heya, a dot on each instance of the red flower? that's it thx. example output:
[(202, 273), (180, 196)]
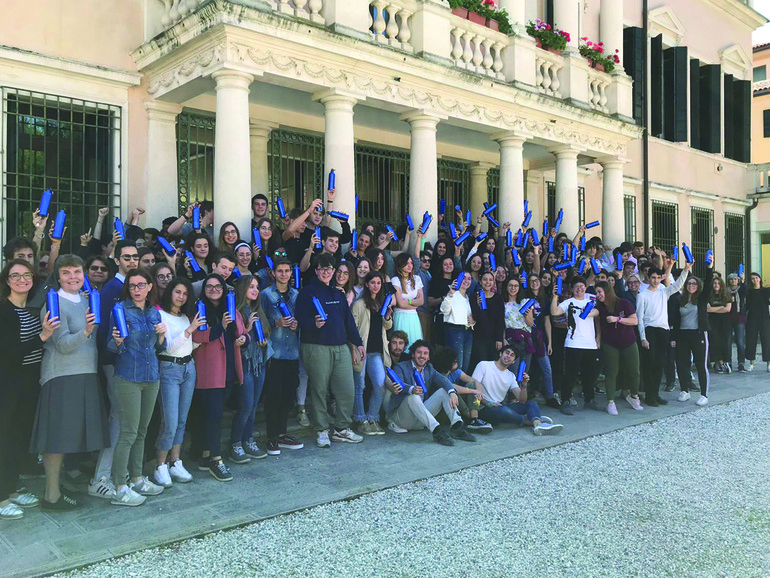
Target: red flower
[(584, 39), (616, 59), (547, 26), (617, 51), (601, 44)]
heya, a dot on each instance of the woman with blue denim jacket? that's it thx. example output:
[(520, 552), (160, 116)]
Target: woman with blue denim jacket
[(137, 382), (177, 379), (253, 356)]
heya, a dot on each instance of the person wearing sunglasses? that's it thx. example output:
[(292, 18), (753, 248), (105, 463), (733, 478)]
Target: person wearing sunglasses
[(136, 381), (97, 271), (127, 260)]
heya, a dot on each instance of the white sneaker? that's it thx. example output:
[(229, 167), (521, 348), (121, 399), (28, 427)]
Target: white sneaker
[(102, 488), (162, 477), (179, 473), (545, 429), (634, 402), (347, 435), (750, 366), (145, 487), (127, 497), (702, 400), (545, 419), (396, 429), (11, 512), (322, 441), (573, 402), (612, 409), (684, 396)]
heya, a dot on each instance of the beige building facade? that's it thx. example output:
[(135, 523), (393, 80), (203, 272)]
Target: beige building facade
[(159, 103), (760, 151)]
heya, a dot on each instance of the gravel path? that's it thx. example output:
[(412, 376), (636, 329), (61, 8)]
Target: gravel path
[(685, 496)]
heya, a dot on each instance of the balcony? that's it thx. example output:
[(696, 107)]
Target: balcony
[(411, 30), (763, 179)]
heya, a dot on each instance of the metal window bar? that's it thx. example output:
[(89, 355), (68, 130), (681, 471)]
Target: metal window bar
[(195, 158), (702, 235), (69, 145), (295, 168), (493, 186), (735, 244), (551, 210), (582, 206), (382, 185), (629, 213), (454, 184), (665, 225)]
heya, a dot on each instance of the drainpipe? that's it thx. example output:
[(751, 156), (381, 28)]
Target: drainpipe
[(645, 134), (747, 228)]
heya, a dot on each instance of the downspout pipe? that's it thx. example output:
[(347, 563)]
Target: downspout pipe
[(646, 133)]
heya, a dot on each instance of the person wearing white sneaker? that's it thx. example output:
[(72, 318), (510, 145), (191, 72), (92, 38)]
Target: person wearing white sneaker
[(177, 376), (689, 318), (757, 320), (702, 400), (179, 473), (102, 488), (322, 440)]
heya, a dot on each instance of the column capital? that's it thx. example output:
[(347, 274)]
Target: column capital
[(423, 118), (566, 151), (261, 128), (511, 138), (161, 110), (611, 161), (341, 99), (480, 168), (231, 78)]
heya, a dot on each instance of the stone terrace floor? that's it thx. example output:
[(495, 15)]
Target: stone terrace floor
[(43, 543)]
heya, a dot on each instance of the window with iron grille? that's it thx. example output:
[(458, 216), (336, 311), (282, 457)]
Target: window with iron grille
[(702, 235), (734, 242), (382, 184), (629, 214), (665, 225), (493, 186), (454, 183), (295, 165), (195, 158), (68, 145), (553, 210)]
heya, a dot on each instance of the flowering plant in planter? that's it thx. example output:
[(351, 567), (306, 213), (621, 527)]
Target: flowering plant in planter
[(484, 12), (597, 56), (547, 37)]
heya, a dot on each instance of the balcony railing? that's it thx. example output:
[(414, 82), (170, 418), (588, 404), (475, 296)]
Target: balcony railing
[(429, 29), (763, 178)]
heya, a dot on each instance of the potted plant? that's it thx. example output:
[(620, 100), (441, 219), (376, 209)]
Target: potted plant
[(597, 57), (483, 12), (546, 37)]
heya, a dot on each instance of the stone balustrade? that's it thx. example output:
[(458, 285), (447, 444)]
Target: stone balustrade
[(477, 48), (547, 67), (175, 10), (310, 9), (598, 82), (390, 22)]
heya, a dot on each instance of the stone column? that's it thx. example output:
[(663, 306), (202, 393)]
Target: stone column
[(479, 189), (232, 160), (162, 179), (259, 137), (611, 28), (567, 187), (613, 211), (516, 11), (533, 189), (423, 169), (339, 148), (510, 206), (567, 17)]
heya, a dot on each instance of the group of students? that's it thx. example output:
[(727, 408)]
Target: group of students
[(375, 325)]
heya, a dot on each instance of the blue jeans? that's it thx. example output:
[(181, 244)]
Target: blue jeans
[(738, 333), (375, 369), (515, 413), (461, 340), (249, 393), (545, 368), (177, 384)]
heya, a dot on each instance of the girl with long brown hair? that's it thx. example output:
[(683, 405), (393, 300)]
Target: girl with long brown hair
[(719, 307)]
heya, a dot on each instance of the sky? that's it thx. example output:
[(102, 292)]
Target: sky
[(762, 35)]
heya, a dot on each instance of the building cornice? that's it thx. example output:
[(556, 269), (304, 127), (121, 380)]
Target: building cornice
[(310, 58), (92, 72), (741, 12)]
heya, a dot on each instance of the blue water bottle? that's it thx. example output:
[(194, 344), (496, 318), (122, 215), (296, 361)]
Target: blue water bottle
[(119, 229), (231, 304), (196, 217), (281, 207), (45, 203), (95, 304), (202, 315), (332, 180), (482, 301), (58, 225), (317, 233), (319, 309), (120, 319), (52, 304), (193, 263)]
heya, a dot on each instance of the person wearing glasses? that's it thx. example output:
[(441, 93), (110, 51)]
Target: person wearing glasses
[(218, 367), (244, 258), (136, 381), (345, 280), (21, 349), (98, 271), (71, 416), (162, 274), (228, 237), (325, 349), (127, 260)]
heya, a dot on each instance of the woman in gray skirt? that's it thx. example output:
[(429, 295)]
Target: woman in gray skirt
[(71, 416)]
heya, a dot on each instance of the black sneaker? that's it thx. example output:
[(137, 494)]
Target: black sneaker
[(204, 464), (479, 425), (272, 448), (652, 402), (669, 387), (441, 436), (237, 455), (289, 443), (741, 368), (220, 472), (552, 402), (662, 401), (459, 432), (566, 409), (65, 503)]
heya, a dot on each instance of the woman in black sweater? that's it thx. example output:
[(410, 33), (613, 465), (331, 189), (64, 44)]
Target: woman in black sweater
[(489, 332), (21, 350), (757, 321)]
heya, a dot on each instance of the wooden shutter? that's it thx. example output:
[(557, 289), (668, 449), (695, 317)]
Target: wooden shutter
[(675, 94), (710, 109), (729, 110), (742, 116), (766, 123), (656, 85), (634, 58), (695, 103)]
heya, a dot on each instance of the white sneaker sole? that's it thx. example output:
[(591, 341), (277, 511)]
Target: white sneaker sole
[(107, 496), (552, 430), (157, 483), (346, 440), (119, 503), (181, 480)]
